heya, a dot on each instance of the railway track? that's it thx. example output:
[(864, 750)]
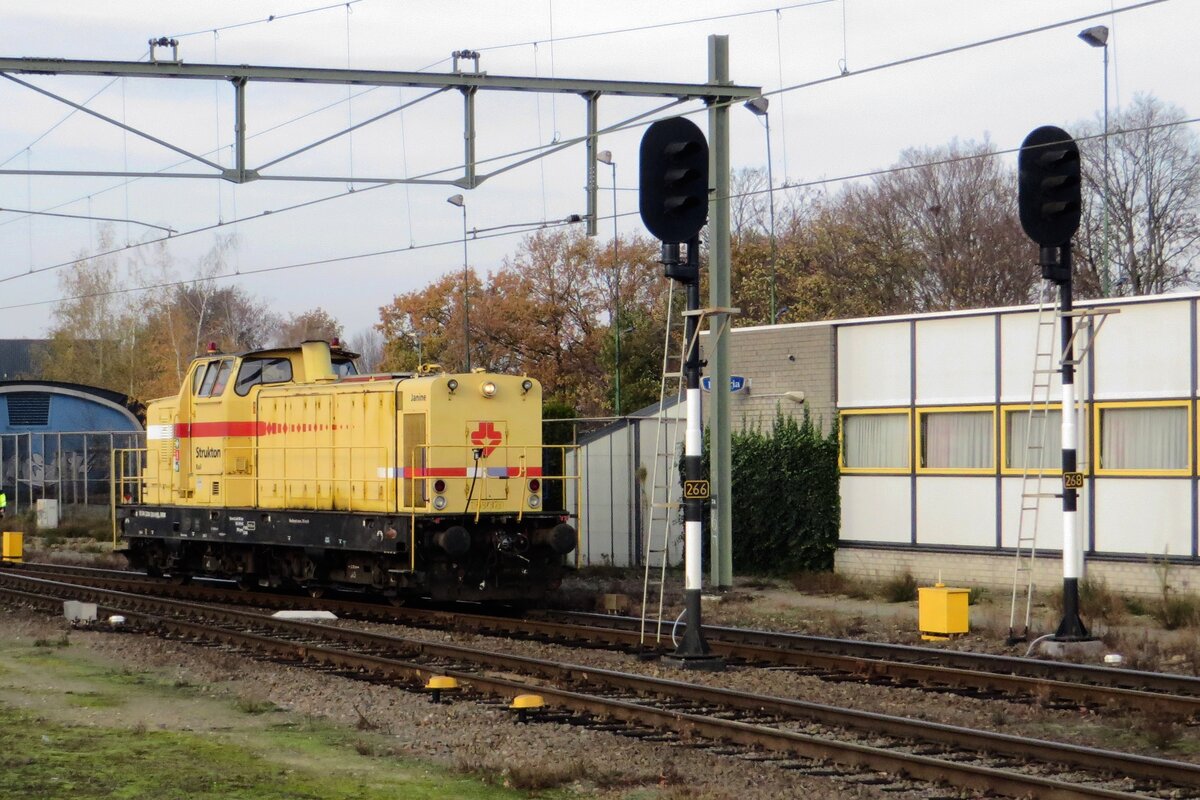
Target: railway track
[(790, 733), (1048, 683)]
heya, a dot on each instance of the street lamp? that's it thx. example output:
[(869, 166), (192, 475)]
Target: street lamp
[(1097, 36), (605, 157), (457, 200), (758, 106)]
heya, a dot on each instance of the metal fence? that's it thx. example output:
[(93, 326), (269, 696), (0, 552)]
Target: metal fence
[(73, 468)]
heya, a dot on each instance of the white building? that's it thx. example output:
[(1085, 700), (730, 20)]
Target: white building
[(933, 409)]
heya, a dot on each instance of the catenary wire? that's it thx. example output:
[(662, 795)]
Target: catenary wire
[(539, 226), (264, 20), (640, 123), (532, 228)]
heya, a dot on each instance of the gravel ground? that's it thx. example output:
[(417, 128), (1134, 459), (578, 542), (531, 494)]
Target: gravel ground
[(1109, 728), (472, 737), (466, 735)]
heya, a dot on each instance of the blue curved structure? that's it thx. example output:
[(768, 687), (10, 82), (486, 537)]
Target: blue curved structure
[(56, 440)]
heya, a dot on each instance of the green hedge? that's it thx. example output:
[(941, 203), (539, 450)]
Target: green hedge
[(786, 506)]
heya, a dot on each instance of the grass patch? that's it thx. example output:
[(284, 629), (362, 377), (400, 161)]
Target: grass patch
[(52, 762), (62, 641), (254, 705), (1177, 611), (830, 583), (900, 589), (94, 699), (977, 595), (1097, 602)]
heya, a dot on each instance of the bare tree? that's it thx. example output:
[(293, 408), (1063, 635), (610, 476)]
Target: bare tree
[(957, 210), (314, 323), (1153, 202), (368, 343)]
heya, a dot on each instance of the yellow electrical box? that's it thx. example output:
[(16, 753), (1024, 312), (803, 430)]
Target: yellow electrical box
[(942, 611), (13, 546)]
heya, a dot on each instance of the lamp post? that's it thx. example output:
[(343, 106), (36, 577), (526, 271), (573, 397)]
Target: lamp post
[(457, 200), (1097, 36), (758, 106), (605, 157)]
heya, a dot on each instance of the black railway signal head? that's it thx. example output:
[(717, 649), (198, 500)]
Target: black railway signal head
[(673, 180), (1048, 186)]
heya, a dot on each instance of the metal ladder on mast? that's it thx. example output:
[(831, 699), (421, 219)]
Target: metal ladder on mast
[(1033, 463), (1032, 474), (664, 517), (665, 522)]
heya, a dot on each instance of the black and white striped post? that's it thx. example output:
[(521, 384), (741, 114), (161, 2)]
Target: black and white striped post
[(1050, 207), (1071, 628), (692, 650)]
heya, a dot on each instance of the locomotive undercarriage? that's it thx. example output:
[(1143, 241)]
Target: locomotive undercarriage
[(498, 558)]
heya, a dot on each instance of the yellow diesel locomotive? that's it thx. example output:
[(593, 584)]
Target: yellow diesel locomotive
[(285, 467)]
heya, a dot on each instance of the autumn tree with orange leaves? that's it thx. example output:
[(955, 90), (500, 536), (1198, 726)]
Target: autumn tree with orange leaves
[(547, 312)]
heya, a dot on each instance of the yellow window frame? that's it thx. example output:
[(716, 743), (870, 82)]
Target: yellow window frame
[(1002, 453), (920, 444), (1099, 408), (890, 411)]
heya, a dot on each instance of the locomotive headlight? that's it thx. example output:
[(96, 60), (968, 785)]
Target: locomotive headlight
[(452, 385), (439, 502), (526, 386), (534, 501), (487, 389)]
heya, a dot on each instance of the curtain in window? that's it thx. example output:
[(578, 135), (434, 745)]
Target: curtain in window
[(1017, 440), (1144, 438), (956, 440), (875, 441)]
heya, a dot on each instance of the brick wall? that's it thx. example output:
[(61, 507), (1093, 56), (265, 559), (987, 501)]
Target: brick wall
[(995, 572), (777, 360)]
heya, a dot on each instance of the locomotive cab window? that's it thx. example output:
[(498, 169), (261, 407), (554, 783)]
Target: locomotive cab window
[(344, 369), (222, 377), (216, 375), (199, 375), (262, 370)]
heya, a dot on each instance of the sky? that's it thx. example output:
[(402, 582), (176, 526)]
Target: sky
[(844, 125)]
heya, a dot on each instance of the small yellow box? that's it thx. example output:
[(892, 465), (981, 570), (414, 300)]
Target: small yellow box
[(942, 611), (13, 546)]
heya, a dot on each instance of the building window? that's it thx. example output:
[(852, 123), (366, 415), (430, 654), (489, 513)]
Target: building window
[(875, 441), (1143, 438), (1047, 434), (956, 440)]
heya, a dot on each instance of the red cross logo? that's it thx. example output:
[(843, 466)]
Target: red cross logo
[(486, 437)]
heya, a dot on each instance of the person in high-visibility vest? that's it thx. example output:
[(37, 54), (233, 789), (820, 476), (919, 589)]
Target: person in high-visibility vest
[(3, 503)]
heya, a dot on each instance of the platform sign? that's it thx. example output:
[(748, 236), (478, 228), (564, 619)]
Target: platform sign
[(737, 383)]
